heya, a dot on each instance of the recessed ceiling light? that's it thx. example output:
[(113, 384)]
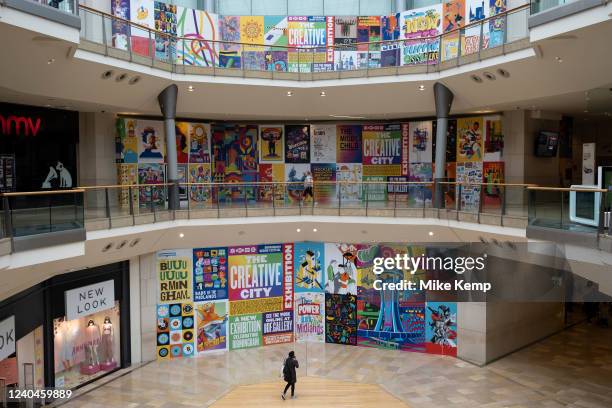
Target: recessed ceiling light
[(476, 79), (489, 76), (503, 73), (364, 231), (50, 61), (289, 93), (181, 235), (558, 59), (120, 77), (134, 80), (122, 244), (190, 88), (298, 230), (107, 247), (241, 232), (421, 87), (314, 230), (431, 233), (107, 74), (323, 93), (135, 242)]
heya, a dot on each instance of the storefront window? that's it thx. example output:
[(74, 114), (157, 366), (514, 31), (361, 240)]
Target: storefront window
[(86, 348)]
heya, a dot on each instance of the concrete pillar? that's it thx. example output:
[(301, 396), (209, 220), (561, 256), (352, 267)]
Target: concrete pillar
[(400, 5), (444, 100), (167, 104), (209, 6)]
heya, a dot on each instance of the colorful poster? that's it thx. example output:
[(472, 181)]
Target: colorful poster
[(200, 173), (420, 28), (151, 146), (470, 175), (151, 173), (368, 30), (165, 24), (200, 30), (345, 32), (349, 186), (199, 143), (390, 51), (275, 32), (182, 137), (340, 268), (271, 173), (308, 266), (255, 272), (453, 18), (420, 194), (441, 328), (277, 327), (309, 32), (348, 147), (382, 150), (324, 176), (181, 178), (127, 141), (142, 13), (451, 141), (295, 174), (497, 26), (210, 272), (389, 319), (323, 144), (252, 33), (471, 42), (420, 142), (271, 144), (128, 176), (211, 325), (398, 189), (309, 316), (175, 331), (297, 144), (121, 9), (405, 168), (245, 331), (375, 188), (341, 319), (174, 276), (492, 173), (494, 138), (469, 139), (229, 30)]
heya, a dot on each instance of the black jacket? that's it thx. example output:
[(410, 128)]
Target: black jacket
[(289, 372)]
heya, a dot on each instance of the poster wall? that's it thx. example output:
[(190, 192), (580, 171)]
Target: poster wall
[(420, 28), (271, 143), (492, 172), (470, 173), (323, 144), (211, 325), (297, 144), (324, 176), (348, 146), (469, 140), (200, 28), (421, 142), (441, 328), (382, 150), (174, 270), (310, 316), (310, 32)]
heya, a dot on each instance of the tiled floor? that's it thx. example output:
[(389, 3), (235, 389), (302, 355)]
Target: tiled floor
[(573, 369)]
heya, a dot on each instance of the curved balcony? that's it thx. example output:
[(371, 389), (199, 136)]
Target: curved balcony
[(201, 56)]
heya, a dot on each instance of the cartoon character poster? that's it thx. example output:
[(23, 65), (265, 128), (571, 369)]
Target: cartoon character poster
[(421, 136), (210, 274), (349, 186), (420, 28), (175, 331), (199, 29), (453, 18), (476, 10), (492, 173), (295, 174), (310, 317), (128, 140), (297, 144), (271, 173), (382, 150), (200, 173), (324, 177), (121, 9), (308, 266), (142, 12), (348, 146), (469, 174), (341, 319), (150, 196), (182, 142), (211, 325), (420, 194), (277, 327), (229, 30), (340, 268), (323, 144), (469, 139), (271, 143), (390, 30), (493, 138), (165, 25), (497, 26), (151, 146), (441, 328), (199, 143)]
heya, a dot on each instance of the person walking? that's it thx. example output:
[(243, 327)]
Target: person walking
[(289, 374), (308, 183)]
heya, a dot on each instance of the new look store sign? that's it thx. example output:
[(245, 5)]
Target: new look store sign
[(90, 299), (7, 337)]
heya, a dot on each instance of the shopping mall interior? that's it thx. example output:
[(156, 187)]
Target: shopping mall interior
[(359, 202)]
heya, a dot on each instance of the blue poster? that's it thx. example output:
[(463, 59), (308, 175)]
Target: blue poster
[(209, 274), (309, 261)]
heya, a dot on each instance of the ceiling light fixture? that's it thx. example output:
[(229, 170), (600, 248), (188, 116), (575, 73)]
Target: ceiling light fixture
[(120, 77), (107, 74), (298, 230), (558, 59), (134, 80), (181, 235), (503, 73), (489, 76), (314, 230), (50, 61), (586, 111), (323, 93), (190, 88), (289, 93), (346, 117), (476, 79), (421, 87), (431, 233)]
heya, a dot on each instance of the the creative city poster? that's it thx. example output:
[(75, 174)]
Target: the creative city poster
[(492, 173), (382, 150), (271, 144), (469, 140), (211, 325), (309, 32), (441, 328), (389, 319), (420, 29), (175, 330)]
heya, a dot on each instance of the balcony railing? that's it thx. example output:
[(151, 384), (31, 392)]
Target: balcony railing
[(120, 38)]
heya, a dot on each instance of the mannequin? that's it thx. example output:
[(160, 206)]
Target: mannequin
[(108, 332), (93, 340)]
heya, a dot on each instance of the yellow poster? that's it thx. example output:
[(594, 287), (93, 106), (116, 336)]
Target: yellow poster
[(469, 140), (182, 142), (129, 140), (174, 276), (251, 306), (252, 32), (127, 175)]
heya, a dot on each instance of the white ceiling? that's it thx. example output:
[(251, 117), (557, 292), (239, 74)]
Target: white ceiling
[(537, 81)]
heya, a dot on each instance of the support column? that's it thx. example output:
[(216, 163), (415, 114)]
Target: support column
[(167, 105), (400, 5), (444, 100)]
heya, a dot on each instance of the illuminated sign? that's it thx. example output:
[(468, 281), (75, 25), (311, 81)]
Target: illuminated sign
[(19, 125)]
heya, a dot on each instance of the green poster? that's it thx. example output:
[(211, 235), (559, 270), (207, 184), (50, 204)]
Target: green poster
[(245, 331)]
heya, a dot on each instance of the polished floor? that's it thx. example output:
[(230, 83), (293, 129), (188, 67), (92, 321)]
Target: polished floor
[(570, 369)]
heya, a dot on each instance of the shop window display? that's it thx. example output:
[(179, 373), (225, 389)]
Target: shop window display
[(86, 348)]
